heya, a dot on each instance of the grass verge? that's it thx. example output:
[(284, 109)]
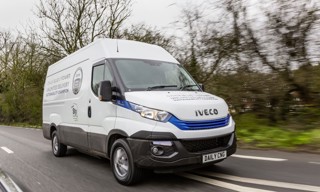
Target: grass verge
[(256, 133), (26, 125)]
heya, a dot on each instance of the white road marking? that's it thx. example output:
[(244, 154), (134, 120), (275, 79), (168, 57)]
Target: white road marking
[(6, 150), (221, 183), (263, 182), (259, 158), (315, 162), (34, 129)]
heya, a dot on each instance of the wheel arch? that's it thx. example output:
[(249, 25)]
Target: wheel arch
[(112, 137), (53, 128)]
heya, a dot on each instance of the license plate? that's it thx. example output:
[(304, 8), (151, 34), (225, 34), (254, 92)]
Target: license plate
[(214, 156)]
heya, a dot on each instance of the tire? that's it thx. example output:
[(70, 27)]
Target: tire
[(123, 167), (58, 149)]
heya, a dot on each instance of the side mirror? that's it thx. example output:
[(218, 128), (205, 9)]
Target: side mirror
[(201, 86), (105, 91)]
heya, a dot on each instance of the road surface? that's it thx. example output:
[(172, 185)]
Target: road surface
[(26, 156)]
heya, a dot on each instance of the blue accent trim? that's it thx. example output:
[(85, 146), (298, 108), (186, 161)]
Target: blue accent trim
[(199, 125), (123, 103)]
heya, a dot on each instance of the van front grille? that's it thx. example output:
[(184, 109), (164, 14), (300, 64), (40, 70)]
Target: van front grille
[(205, 144), (199, 125)]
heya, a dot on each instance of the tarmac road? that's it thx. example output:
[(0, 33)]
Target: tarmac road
[(26, 156)]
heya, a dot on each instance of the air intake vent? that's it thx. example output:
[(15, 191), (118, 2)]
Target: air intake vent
[(206, 144)]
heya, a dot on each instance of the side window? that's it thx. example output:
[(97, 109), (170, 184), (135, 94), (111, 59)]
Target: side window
[(107, 74), (97, 77)]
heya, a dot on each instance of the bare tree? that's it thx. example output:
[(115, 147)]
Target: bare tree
[(147, 34), (7, 46), (283, 44), (22, 74), (208, 47), (71, 24), (279, 39)]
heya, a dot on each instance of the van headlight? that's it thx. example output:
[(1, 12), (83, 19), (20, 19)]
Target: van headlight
[(148, 113)]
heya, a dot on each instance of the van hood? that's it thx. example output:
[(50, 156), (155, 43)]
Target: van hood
[(185, 105)]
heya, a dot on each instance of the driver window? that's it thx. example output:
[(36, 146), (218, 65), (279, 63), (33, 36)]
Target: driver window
[(107, 74), (97, 77), (100, 73)]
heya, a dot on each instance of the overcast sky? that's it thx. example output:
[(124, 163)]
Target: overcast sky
[(160, 13)]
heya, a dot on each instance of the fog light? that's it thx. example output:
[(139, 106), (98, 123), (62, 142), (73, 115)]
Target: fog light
[(156, 150)]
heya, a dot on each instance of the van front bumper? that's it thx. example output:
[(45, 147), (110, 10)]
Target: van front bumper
[(182, 155)]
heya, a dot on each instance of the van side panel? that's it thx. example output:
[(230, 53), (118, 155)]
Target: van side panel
[(64, 102)]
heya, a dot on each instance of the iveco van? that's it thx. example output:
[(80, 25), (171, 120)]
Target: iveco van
[(134, 104)]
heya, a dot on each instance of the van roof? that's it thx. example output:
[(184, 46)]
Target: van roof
[(113, 48)]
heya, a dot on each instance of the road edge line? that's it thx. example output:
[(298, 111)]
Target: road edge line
[(279, 184), (7, 150), (221, 184), (258, 158)]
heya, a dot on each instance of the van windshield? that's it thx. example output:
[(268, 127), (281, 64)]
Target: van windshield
[(154, 75)]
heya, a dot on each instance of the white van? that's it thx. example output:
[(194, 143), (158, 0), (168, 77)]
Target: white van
[(134, 103)]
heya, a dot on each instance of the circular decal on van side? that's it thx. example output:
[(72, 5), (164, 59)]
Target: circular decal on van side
[(77, 81)]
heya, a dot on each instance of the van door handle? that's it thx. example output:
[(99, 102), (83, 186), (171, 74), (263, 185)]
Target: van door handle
[(89, 111)]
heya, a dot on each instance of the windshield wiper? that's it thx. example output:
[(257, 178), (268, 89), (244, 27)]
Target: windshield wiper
[(187, 86), (160, 87)]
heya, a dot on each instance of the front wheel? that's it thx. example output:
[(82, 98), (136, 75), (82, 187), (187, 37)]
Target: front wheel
[(123, 167), (58, 149)]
